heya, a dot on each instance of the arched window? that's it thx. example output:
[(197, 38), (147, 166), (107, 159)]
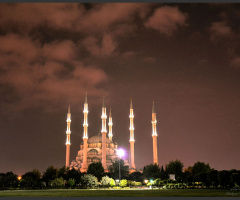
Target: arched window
[(95, 159), (93, 152)]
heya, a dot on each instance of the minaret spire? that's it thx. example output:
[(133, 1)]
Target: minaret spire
[(104, 133), (68, 132), (131, 116), (110, 124), (86, 98), (154, 135), (85, 136)]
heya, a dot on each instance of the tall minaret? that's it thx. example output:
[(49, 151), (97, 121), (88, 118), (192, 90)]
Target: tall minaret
[(154, 135), (68, 132), (85, 136), (110, 124), (104, 133), (131, 116)]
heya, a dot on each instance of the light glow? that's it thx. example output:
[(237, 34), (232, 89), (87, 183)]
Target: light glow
[(120, 152)]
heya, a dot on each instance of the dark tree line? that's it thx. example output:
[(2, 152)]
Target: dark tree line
[(200, 172)]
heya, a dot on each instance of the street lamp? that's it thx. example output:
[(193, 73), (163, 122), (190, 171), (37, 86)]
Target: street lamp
[(120, 153)]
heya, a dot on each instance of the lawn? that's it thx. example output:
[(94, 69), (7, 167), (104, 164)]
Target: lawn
[(120, 193)]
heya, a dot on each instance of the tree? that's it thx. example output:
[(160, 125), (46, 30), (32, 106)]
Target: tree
[(57, 182), (175, 167), (74, 174), (49, 175), (8, 180), (187, 175), (200, 167), (62, 172), (31, 179), (151, 171), (136, 176), (224, 178), (212, 177), (114, 170), (106, 181), (88, 180), (123, 183), (235, 179), (96, 169)]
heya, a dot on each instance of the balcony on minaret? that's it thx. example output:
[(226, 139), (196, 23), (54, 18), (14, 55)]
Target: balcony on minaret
[(67, 142)]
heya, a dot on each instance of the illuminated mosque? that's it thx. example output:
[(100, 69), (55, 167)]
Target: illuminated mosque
[(101, 148)]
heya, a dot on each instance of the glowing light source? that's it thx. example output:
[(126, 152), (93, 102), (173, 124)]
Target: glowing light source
[(120, 152), (19, 178)]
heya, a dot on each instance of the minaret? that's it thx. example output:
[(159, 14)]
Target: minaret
[(131, 116), (104, 133), (85, 136), (110, 124), (68, 132), (154, 135)]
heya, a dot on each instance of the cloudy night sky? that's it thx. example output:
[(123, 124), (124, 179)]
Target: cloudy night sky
[(184, 57)]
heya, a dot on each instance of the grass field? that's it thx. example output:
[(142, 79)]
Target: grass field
[(119, 193)]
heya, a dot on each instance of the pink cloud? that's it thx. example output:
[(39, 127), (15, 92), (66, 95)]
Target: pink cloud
[(166, 20), (102, 16), (40, 80), (17, 45), (235, 63), (220, 29), (29, 15), (149, 59), (62, 51), (102, 47)]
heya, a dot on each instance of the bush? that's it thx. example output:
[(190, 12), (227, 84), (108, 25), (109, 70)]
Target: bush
[(106, 181), (71, 182), (112, 183), (88, 180), (123, 183), (57, 182)]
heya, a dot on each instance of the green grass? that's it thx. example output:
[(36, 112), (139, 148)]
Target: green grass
[(119, 193)]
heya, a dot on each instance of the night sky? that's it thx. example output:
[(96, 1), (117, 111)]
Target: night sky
[(184, 57)]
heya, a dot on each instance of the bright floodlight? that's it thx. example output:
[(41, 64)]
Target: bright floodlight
[(120, 152)]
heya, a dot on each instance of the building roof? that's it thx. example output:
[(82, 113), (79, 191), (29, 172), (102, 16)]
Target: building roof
[(97, 139)]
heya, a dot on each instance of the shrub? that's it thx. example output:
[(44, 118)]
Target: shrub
[(57, 182), (71, 182), (123, 183), (88, 180), (112, 183)]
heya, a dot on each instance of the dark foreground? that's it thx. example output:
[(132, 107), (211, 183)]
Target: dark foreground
[(120, 193)]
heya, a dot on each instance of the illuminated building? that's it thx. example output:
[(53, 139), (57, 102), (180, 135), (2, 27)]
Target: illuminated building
[(132, 167), (98, 148), (68, 132), (154, 135)]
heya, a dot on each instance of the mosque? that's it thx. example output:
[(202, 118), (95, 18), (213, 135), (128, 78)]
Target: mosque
[(101, 148)]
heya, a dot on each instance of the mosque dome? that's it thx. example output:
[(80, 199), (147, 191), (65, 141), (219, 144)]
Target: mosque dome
[(97, 139)]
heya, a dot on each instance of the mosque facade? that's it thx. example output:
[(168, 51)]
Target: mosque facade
[(101, 147)]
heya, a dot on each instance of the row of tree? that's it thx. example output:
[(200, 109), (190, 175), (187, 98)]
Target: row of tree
[(95, 176)]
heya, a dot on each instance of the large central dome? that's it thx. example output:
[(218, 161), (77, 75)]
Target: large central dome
[(97, 139)]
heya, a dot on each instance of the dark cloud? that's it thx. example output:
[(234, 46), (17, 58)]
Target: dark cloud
[(166, 20)]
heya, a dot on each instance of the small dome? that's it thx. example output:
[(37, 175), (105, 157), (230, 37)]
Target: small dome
[(97, 139)]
